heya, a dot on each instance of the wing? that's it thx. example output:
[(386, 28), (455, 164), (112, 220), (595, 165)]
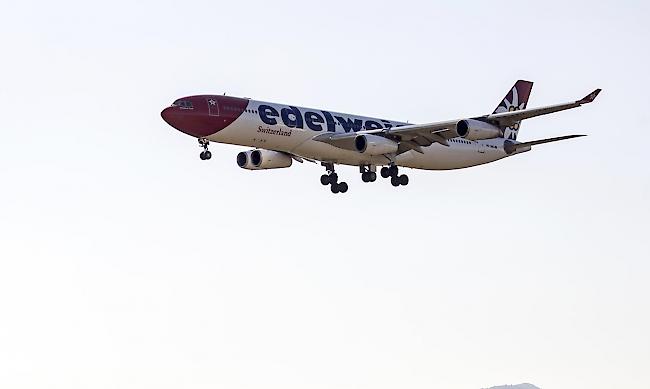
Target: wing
[(411, 137), (416, 136), (506, 119)]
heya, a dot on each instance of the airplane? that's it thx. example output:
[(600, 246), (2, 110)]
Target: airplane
[(280, 134)]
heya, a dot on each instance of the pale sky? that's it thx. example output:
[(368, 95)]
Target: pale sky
[(127, 262)]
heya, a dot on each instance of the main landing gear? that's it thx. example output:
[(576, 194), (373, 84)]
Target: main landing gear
[(395, 179), (205, 154), (368, 173), (331, 178)]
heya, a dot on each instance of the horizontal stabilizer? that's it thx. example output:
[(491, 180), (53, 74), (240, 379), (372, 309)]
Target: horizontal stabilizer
[(512, 147)]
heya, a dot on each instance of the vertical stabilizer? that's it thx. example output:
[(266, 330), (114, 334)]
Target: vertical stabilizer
[(516, 99)]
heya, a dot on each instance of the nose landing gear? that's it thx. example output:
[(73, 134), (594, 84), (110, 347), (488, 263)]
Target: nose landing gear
[(393, 172), (331, 178), (205, 154)]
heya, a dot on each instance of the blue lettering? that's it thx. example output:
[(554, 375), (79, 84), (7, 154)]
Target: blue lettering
[(267, 113), (349, 124), (296, 121), (312, 119), (292, 117), (331, 124), (388, 124), (372, 125)]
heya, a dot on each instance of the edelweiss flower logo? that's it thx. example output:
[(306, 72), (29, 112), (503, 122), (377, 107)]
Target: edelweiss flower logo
[(510, 106)]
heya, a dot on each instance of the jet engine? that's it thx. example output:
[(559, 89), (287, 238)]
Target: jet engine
[(263, 159), (374, 145), (477, 130)]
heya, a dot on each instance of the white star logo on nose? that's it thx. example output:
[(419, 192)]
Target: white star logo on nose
[(212, 102)]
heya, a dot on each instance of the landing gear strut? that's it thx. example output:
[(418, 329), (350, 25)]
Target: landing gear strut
[(205, 154), (393, 172), (368, 173), (331, 178)]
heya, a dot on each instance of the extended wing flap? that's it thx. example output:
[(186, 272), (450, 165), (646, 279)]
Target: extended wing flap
[(433, 132)]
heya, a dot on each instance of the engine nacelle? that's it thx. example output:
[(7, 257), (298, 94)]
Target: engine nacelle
[(477, 130), (374, 145), (263, 159), (244, 160)]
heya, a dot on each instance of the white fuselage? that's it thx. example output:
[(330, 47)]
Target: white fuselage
[(250, 130)]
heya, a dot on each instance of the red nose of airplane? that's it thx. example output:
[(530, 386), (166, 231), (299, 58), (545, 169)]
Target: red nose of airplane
[(168, 116), (185, 120), (189, 116), (202, 116)]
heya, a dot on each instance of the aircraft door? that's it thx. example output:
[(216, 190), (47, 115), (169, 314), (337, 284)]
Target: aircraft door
[(213, 106)]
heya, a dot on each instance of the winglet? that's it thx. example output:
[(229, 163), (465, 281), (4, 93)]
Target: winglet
[(590, 97)]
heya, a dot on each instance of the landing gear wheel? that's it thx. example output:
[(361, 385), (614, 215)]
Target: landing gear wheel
[(384, 172), (332, 179), (395, 181), (392, 171), (325, 179), (372, 176), (365, 176), (404, 179), (205, 154)]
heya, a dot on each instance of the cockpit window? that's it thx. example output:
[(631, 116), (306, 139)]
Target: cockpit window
[(185, 104)]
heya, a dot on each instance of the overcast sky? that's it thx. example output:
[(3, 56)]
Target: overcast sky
[(127, 262)]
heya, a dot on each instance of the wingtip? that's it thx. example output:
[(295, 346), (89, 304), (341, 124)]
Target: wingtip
[(590, 97)]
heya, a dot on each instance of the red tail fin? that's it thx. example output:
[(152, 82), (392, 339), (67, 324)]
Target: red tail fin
[(516, 99)]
